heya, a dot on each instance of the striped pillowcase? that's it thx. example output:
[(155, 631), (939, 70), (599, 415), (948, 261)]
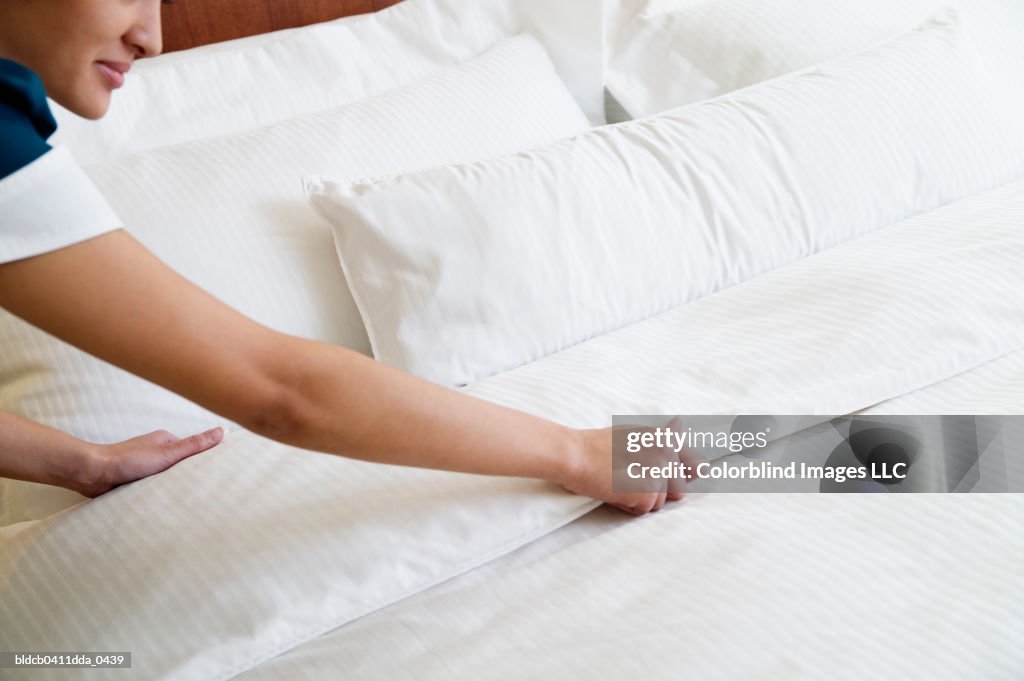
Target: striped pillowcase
[(506, 261), (247, 84), (667, 53)]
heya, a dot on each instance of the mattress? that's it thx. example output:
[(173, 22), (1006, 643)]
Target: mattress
[(238, 563)]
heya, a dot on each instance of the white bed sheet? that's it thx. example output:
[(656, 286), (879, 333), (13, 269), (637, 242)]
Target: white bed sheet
[(819, 566), (996, 387), (749, 586), (227, 561), (719, 587)]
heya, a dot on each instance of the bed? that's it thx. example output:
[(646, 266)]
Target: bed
[(261, 561)]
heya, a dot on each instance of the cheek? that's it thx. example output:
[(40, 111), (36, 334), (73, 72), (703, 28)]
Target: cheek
[(89, 30)]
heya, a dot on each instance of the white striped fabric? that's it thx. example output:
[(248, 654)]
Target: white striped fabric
[(873, 319), (229, 214), (238, 555), (235, 556), (772, 587), (467, 271), (667, 53), (413, 627), (251, 83), (996, 387)]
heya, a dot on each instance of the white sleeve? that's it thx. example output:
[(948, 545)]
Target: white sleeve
[(49, 204)]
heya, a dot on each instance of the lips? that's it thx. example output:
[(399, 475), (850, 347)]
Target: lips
[(114, 72)]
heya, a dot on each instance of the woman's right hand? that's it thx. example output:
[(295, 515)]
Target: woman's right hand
[(117, 464), (36, 453), (593, 474)]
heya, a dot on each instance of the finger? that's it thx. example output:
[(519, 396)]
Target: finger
[(636, 509), (645, 506), (188, 446), (660, 503), (158, 438), (689, 458), (676, 489)]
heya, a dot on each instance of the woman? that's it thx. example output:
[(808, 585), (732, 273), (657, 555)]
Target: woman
[(64, 266)]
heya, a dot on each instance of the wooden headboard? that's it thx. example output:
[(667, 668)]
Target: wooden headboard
[(189, 23)]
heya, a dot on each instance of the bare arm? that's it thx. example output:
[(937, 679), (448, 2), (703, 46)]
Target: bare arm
[(112, 298), (29, 451)]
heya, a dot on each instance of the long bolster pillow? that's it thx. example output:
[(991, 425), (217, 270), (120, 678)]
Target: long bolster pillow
[(465, 271)]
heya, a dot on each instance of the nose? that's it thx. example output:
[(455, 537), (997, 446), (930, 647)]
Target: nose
[(145, 37)]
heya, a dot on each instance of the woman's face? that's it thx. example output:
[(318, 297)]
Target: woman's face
[(81, 49)]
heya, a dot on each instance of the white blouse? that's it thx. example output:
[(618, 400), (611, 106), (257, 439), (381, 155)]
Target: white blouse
[(49, 204)]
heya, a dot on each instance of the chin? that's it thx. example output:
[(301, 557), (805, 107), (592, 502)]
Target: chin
[(94, 107), (91, 104)]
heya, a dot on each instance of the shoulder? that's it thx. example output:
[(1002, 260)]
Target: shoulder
[(47, 201), (25, 118)]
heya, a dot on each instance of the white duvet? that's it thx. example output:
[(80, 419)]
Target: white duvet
[(781, 586), (723, 586), (247, 552)]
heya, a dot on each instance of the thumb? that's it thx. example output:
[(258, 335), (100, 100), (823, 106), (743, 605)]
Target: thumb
[(194, 444)]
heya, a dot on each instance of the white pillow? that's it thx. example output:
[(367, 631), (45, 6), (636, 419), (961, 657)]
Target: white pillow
[(667, 53), (465, 271), (253, 82), (229, 213)]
